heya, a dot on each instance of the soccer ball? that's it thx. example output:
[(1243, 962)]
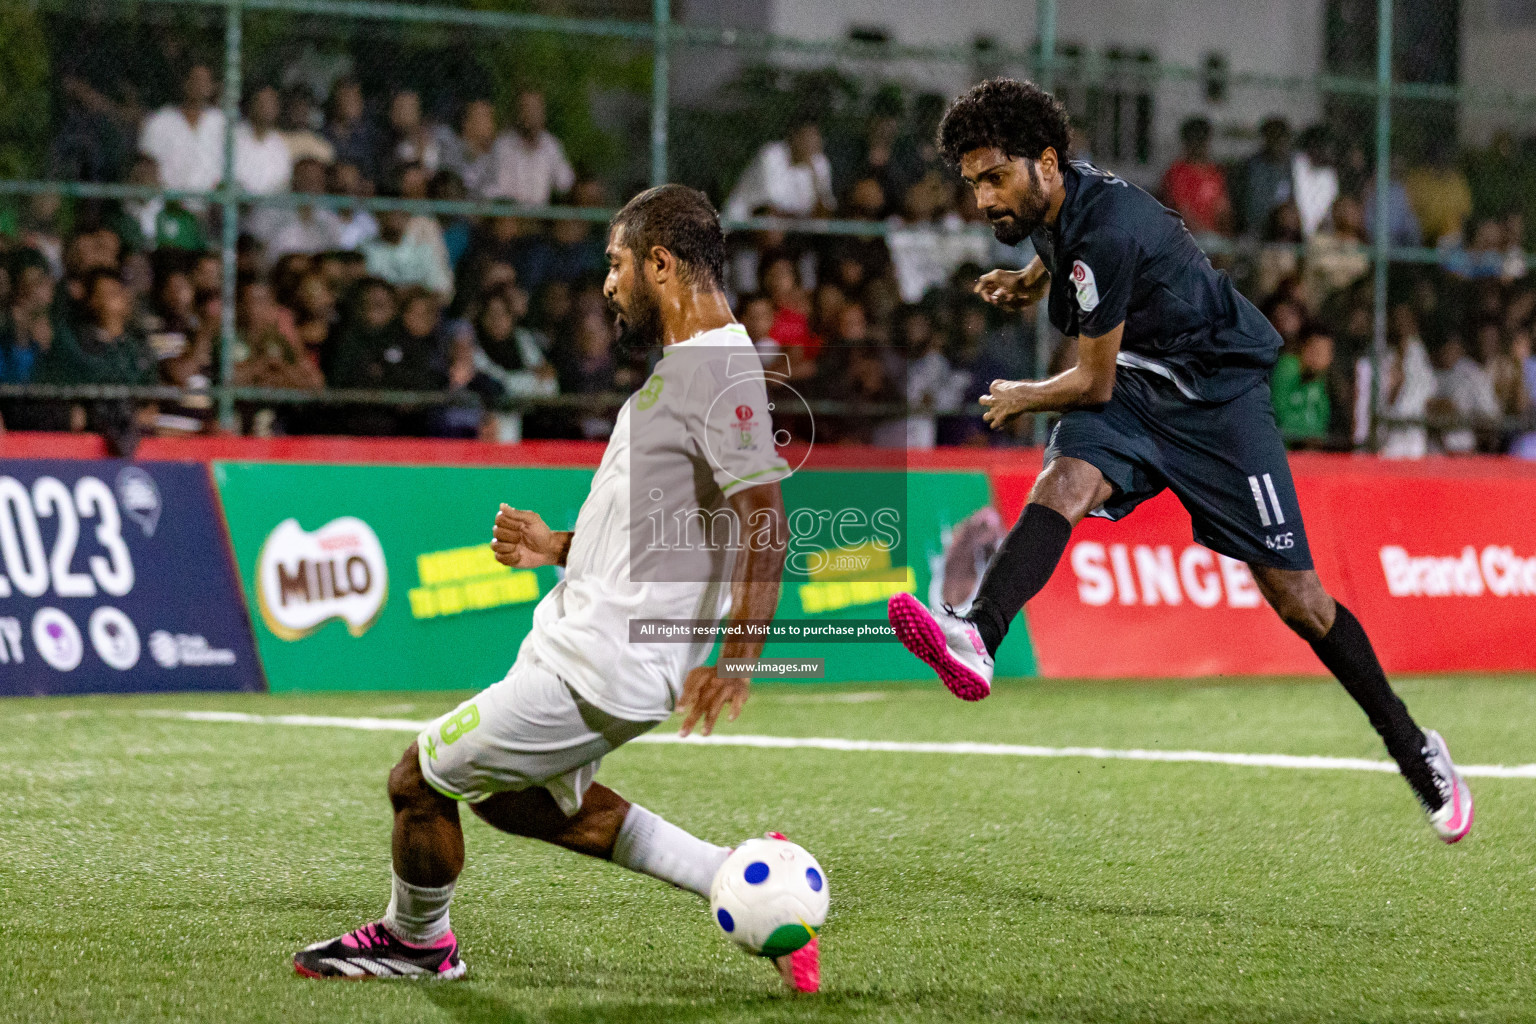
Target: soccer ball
[(770, 897)]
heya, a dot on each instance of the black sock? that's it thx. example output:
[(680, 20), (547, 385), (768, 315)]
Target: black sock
[(1023, 564), (1347, 652)]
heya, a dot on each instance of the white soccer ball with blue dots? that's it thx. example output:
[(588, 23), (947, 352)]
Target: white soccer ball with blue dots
[(770, 896)]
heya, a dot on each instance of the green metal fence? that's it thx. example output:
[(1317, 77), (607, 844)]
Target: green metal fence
[(663, 36)]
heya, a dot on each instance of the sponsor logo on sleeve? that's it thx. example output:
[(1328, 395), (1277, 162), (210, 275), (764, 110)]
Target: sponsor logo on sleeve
[(305, 579), (1087, 288)]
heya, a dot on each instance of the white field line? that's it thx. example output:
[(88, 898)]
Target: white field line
[(1356, 764)]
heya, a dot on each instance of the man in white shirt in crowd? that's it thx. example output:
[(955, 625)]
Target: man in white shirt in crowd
[(354, 225), (187, 139), (791, 179), (468, 152), (530, 163), (263, 162), (304, 229), (402, 260)]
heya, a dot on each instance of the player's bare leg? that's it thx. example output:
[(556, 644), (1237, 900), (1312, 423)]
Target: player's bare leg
[(611, 828), (961, 648), (414, 939), (1342, 645)]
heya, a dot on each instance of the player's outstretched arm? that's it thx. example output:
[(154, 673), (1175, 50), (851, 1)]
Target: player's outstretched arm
[(754, 598), (521, 539), (1090, 382)]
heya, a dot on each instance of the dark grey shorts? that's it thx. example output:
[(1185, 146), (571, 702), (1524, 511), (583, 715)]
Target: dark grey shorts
[(1226, 463)]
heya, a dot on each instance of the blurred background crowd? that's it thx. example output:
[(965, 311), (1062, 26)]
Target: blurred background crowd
[(491, 311)]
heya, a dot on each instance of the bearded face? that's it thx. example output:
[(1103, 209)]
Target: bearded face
[(637, 315), (1017, 212)]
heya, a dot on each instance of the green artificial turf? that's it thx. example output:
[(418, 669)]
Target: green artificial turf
[(154, 869)]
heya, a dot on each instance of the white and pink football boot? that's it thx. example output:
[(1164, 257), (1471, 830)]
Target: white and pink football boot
[(1453, 820), (949, 644)]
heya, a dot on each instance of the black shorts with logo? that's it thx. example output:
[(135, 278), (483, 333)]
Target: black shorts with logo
[(1225, 462)]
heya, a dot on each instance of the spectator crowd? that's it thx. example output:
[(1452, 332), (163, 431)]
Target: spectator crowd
[(490, 310)]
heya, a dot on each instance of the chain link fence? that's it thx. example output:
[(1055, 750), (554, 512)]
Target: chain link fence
[(398, 251)]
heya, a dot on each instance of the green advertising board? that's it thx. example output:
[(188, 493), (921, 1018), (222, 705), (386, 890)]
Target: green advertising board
[(380, 577)]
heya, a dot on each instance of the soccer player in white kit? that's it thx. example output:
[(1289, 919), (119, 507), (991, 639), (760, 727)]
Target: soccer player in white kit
[(691, 454)]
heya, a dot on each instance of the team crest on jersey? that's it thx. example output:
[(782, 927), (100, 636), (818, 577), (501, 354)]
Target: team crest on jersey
[(1087, 288), (650, 393)]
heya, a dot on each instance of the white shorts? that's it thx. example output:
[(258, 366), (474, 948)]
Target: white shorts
[(530, 730)]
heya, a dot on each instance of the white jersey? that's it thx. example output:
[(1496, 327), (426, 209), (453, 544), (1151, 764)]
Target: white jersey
[(696, 433)]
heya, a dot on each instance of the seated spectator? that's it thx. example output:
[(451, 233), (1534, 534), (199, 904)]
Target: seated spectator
[(194, 368), (1337, 256), (1314, 181), (299, 126), (365, 327), (412, 140), (510, 360), (172, 315), (263, 162), (791, 320), (571, 251), (147, 225), (37, 228), (1440, 196), (1465, 391), (1523, 446), (299, 229), (586, 366), (789, 179), (933, 386), (1402, 226), (102, 349), (529, 163), (1280, 262), (186, 140), (354, 225), (1410, 386), (355, 138), (315, 316), (1195, 187), (268, 352), (403, 261), (755, 312), (1266, 175), (1483, 258), (405, 354), (1299, 390), (445, 185), (467, 152), (26, 322), (1504, 366)]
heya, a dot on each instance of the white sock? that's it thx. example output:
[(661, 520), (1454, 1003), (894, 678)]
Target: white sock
[(417, 914), (651, 845)]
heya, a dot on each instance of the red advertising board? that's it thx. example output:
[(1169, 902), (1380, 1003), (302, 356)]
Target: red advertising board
[(1438, 559)]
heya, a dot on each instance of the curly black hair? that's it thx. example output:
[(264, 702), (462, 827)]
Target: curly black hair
[(1019, 118)]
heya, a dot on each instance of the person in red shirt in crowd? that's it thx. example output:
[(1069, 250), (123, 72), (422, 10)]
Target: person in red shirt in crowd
[(1195, 187), (791, 313)]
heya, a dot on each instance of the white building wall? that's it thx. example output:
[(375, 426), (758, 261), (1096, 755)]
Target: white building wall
[(1498, 52), (1274, 37)]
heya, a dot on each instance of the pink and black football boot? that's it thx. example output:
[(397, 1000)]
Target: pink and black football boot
[(373, 951)]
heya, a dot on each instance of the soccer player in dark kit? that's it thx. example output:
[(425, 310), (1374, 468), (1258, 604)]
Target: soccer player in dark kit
[(1171, 389)]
